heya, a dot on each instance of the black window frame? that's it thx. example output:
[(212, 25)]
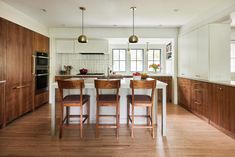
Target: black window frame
[(119, 59)]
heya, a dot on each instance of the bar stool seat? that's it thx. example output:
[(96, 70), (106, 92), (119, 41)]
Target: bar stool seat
[(105, 98), (140, 99), (70, 99)]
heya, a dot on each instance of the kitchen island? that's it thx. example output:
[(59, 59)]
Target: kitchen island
[(124, 90)]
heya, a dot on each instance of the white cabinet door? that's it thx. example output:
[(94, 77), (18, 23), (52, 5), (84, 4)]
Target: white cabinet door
[(202, 68), (64, 46), (220, 52), (192, 53), (187, 59), (182, 60)]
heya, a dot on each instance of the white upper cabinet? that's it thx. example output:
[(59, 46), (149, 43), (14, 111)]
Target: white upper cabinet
[(93, 46), (202, 64), (204, 53), (64, 46)]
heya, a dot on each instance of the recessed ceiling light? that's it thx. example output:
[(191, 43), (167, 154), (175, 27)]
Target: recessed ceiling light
[(175, 10), (43, 10)]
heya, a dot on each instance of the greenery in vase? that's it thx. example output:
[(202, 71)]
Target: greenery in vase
[(155, 67)]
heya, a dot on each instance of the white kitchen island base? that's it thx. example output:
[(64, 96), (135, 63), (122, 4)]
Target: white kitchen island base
[(124, 90)]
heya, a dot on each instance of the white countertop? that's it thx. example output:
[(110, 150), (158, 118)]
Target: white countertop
[(226, 83), (150, 74), (125, 83)]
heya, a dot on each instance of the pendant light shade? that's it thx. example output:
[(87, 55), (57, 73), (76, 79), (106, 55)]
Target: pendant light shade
[(82, 38), (133, 38)]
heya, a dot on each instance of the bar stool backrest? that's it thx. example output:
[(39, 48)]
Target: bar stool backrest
[(143, 84), (70, 84), (107, 84)]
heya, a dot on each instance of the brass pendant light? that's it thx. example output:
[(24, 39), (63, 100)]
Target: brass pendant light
[(82, 38), (133, 38)]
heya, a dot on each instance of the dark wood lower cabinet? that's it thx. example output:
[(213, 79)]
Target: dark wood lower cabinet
[(41, 99), (212, 102), (199, 99), (18, 100), (184, 94), (168, 80), (232, 109), (2, 103)]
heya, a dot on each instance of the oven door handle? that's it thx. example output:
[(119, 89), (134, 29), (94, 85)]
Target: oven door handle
[(34, 65), (41, 57), (42, 74)]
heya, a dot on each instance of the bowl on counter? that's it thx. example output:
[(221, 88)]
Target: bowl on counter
[(83, 71)]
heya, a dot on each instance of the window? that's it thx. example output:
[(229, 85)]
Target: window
[(233, 57), (154, 57), (119, 59), (137, 59)]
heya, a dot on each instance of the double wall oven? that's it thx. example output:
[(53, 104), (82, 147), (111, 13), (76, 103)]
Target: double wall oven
[(41, 71)]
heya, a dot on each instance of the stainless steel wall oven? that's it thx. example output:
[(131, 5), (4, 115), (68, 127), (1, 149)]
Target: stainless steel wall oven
[(41, 70)]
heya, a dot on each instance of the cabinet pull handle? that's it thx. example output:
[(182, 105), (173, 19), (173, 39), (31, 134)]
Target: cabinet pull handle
[(182, 73), (4, 81), (196, 102), (220, 88), (197, 75), (19, 87)]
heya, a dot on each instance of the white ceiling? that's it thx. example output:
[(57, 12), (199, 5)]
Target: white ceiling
[(107, 13)]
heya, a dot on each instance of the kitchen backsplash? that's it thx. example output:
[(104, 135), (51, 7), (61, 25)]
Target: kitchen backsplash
[(94, 63)]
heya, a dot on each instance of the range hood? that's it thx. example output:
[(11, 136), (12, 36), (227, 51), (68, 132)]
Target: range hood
[(93, 47), (91, 53)]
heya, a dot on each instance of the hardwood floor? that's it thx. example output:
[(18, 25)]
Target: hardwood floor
[(187, 135)]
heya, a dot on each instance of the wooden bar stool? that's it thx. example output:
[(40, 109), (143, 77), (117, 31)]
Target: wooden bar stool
[(141, 101), (73, 101), (112, 100)]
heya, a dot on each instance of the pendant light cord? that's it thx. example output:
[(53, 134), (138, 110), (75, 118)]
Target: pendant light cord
[(133, 27), (82, 22)]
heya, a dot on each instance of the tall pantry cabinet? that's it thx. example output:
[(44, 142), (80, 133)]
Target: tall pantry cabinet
[(2, 69), (17, 46), (19, 71)]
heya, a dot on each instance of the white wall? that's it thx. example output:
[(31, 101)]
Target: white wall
[(16, 16), (217, 14), (233, 33)]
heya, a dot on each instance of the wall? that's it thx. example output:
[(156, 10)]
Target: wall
[(94, 63), (16, 16), (217, 14)]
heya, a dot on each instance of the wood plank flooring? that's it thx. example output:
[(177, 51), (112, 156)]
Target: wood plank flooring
[(187, 135)]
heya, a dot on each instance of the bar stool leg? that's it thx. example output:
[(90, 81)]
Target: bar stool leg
[(153, 132), (132, 124), (67, 115), (128, 112), (97, 120), (81, 123), (61, 122), (88, 112), (117, 125), (148, 115)]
